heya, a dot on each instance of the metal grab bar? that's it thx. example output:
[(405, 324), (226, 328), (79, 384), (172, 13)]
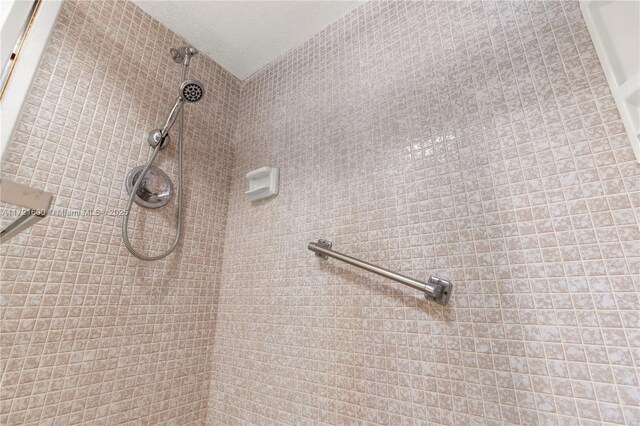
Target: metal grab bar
[(435, 288)]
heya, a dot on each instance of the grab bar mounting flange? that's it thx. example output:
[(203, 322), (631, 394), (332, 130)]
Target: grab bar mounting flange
[(325, 244)]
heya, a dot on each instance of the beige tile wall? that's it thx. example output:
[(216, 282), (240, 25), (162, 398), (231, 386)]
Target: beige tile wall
[(90, 334), (476, 141), (473, 140)]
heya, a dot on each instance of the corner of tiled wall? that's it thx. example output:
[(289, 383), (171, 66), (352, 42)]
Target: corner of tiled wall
[(473, 140)]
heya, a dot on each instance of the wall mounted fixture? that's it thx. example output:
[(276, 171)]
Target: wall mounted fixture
[(435, 288), (154, 191), (148, 185), (263, 183), (33, 202)]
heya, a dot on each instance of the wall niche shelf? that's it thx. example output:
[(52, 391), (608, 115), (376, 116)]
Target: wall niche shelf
[(263, 183)]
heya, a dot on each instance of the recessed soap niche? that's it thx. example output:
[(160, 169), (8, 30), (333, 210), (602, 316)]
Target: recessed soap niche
[(263, 183)]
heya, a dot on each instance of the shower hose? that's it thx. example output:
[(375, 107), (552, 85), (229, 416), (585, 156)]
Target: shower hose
[(134, 190)]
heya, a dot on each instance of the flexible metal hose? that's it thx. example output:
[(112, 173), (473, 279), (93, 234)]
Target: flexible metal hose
[(134, 190)]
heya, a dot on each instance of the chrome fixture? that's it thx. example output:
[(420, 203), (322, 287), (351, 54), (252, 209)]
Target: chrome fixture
[(149, 186), (190, 91), (435, 289), (182, 55), (155, 189)]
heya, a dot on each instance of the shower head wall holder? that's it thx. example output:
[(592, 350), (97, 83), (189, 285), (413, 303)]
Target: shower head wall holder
[(182, 55), (157, 136)]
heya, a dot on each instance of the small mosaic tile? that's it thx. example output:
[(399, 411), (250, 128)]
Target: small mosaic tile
[(91, 335), (472, 140)]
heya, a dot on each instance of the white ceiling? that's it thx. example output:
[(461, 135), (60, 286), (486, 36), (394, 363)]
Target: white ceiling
[(243, 36)]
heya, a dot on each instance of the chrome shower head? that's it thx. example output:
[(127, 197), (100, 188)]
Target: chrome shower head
[(191, 90)]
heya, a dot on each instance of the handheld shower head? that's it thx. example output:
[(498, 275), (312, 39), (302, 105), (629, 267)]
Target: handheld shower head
[(191, 90)]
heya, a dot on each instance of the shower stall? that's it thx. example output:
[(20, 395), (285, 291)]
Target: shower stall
[(148, 185), (459, 167)]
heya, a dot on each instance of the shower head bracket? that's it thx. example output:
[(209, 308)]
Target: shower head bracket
[(182, 55), (157, 137)]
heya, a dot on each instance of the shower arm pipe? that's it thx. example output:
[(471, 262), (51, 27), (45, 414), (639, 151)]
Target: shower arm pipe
[(435, 289)]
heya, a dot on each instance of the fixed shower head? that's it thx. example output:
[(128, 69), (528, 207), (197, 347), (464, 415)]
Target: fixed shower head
[(191, 90)]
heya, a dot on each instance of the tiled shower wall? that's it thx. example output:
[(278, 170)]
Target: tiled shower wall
[(476, 141), (89, 333)]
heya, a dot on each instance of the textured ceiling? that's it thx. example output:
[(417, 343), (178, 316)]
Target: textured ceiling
[(243, 36)]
